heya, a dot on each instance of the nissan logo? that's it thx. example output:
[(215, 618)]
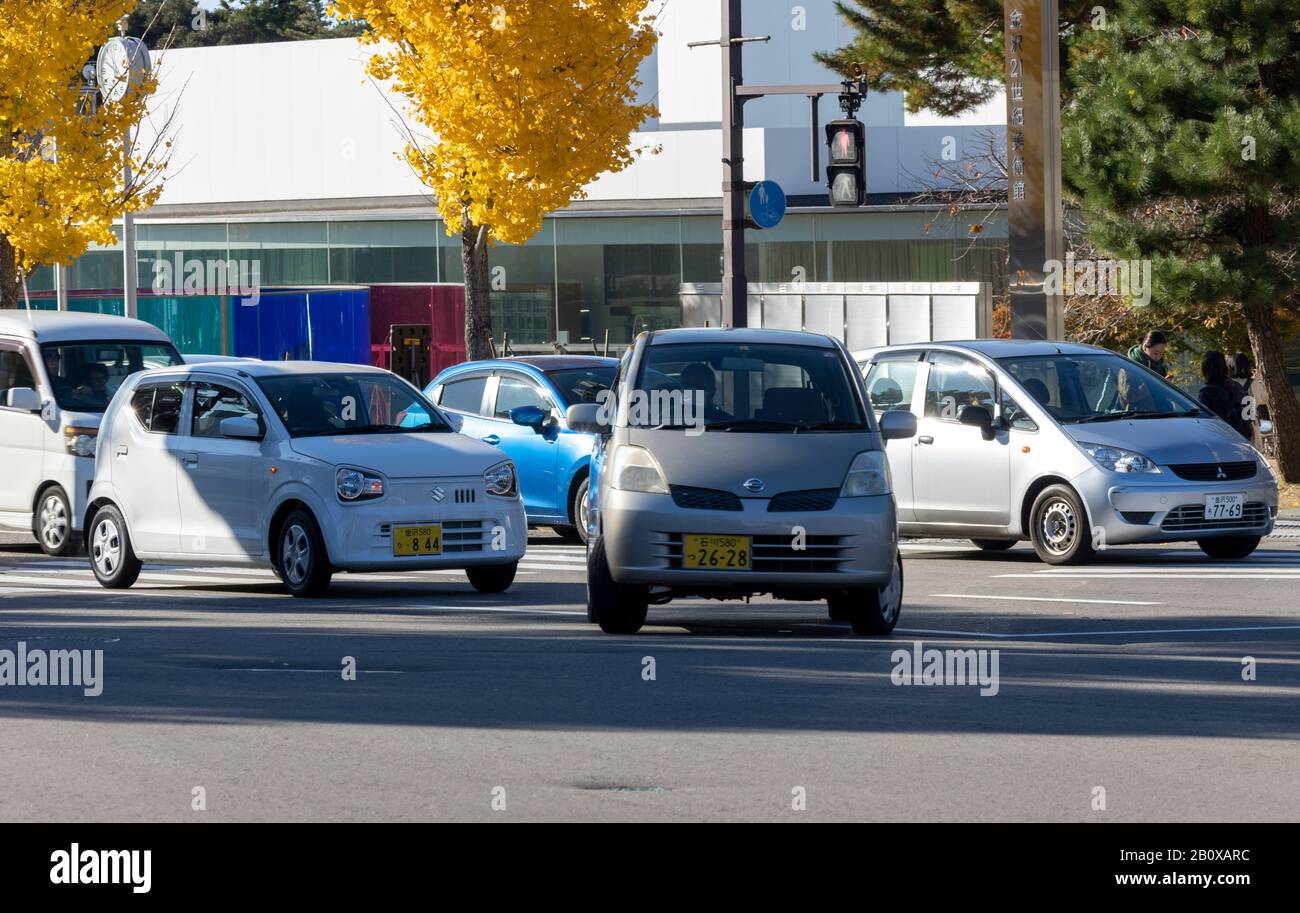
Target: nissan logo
[(754, 485)]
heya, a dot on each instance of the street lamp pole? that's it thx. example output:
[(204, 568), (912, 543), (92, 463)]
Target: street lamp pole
[(735, 285)]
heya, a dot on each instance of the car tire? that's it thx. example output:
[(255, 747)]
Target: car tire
[(302, 560), (112, 557), (52, 523), (494, 578), (994, 545), (872, 612), (578, 511), (1229, 548), (1058, 527), (619, 608)]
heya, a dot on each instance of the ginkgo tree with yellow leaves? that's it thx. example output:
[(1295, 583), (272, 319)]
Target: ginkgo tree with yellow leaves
[(61, 164), (526, 101)]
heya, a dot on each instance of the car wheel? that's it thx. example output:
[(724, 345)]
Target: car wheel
[(53, 523), (619, 608), (302, 562), (1229, 548), (578, 511), (994, 545), (1059, 527), (111, 556), (492, 579), (871, 611)]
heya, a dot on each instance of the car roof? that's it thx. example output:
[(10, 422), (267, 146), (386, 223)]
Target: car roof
[(77, 326), (267, 368), (543, 363), (739, 335), (990, 348)]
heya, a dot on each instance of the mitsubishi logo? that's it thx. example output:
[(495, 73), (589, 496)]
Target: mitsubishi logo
[(1219, 473), (438, 493), (754, 485)]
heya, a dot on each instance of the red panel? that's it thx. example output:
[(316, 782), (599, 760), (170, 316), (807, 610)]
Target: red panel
[(441, 306)]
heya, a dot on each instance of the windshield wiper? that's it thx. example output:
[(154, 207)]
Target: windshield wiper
[(370, 429), (1114, 416), (834, 426), (752, 424)]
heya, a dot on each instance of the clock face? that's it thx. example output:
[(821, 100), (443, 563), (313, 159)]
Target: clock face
[(122, 63)]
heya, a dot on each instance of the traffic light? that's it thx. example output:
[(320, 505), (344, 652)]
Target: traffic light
[(846, 164)]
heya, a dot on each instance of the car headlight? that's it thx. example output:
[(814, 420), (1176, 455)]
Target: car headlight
[(635, 469), (80, 441), (355, 485), (1117, 459), (501, 480), (868, 475)]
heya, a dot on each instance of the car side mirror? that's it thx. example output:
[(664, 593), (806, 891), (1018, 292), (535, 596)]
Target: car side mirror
[(897, 425), (24, 398), (241, 428), (979, 417), (587, 417), (528, 416)]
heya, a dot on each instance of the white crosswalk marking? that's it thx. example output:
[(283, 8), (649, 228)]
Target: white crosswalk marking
[(72, 576)]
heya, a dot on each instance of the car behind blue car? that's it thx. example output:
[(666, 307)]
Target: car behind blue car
[(536, 390)]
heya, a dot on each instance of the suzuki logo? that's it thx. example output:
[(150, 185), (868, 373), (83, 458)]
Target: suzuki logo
[(1219, 473), (438, 493), (754, 485)]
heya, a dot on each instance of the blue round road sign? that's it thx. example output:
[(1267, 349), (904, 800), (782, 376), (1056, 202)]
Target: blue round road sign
[(767, 204)]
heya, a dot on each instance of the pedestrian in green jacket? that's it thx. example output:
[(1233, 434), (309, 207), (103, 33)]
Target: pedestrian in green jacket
[(1151, 353)]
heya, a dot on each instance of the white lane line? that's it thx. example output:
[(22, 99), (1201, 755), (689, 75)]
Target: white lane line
[(1040, 599), (1098, 633), (1197, 569), (1294, 575), (511, 610)]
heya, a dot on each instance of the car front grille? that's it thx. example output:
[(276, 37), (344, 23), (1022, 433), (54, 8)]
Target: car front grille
[(773, 554), (1216, 472), (1188, 518), (457, 535), (812, 499), (691, 498)]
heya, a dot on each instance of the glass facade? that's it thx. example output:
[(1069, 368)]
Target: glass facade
[(582, 277)]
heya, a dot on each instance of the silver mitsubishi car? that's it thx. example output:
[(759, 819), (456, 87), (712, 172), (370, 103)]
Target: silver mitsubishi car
[(735, 462), (1070, 446)]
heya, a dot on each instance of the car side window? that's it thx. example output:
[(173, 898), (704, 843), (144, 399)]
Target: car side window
[(213, 404), (890, 384), (158, 407), (14, 372), (515, 391), (955, 383), (1015, 417), (464, 395)]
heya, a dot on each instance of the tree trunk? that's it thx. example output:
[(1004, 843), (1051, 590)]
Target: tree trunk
[(1284, 408), (478, 304), (9, 290)]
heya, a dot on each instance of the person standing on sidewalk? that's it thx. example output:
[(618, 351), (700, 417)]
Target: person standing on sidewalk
[(1151, 353)]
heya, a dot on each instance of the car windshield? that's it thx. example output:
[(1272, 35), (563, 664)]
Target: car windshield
[(320, 405), (746, 387), (85, 375), (1098, 388), (581, 385)]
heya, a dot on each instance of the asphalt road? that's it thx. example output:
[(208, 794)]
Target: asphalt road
[(1125, 675)]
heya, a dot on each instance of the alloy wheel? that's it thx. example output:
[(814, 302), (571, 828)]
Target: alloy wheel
[(295, 554), (54, 522)]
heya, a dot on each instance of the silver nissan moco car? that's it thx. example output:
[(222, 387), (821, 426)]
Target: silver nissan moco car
[(735, 462)]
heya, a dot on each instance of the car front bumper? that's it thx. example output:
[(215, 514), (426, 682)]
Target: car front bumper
[(1168, 509), (854, 544)]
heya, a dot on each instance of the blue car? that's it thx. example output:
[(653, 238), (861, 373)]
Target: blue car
[(519, 405)]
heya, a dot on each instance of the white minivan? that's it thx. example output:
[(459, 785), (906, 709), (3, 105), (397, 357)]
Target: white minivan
[(58, 372)]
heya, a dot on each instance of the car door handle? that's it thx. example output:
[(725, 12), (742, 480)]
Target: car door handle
[(925, 439), (491, 439), (121, 451), (191, 459)]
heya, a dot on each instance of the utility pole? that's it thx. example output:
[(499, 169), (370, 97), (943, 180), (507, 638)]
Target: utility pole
[(735, 284)]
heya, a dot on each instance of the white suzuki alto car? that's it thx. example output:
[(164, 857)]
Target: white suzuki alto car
[(304, 467)]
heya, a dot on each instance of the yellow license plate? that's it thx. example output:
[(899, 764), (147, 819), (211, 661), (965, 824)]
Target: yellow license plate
[(417, 540), (716, 553)]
